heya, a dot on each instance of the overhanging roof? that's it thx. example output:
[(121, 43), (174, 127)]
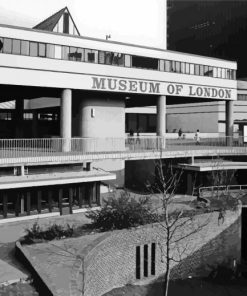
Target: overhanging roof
[(213, 166), (54, 179)]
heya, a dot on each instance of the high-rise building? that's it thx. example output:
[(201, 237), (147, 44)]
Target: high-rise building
[(215, 28)]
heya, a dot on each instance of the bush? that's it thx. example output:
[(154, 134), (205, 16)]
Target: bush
[(122, 212), (52, 232)]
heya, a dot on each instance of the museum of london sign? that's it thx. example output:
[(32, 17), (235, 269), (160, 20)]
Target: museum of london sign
[(162, 88)]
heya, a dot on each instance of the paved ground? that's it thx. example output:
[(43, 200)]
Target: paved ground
[(9, 234)]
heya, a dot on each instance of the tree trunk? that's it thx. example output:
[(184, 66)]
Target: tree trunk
[(166, 281)]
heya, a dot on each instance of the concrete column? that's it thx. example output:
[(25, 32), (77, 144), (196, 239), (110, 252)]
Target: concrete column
[(189, 183), (161, 118), (229, 122), (65, 118), (18, 117)]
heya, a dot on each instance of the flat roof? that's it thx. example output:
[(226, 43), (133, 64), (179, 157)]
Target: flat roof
[(11, 182), (209, 166)]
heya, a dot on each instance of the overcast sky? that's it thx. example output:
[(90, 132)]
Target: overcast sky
[(135, 21)]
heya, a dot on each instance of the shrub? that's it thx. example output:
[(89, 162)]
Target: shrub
[(122, 212), (52, 232)]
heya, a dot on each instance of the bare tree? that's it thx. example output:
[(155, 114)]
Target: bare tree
[(177, 225)]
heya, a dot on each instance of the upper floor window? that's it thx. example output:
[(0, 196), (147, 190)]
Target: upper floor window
[(145, 62)]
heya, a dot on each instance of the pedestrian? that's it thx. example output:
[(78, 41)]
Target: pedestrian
[(197, 137), (221, 216), (138, 141), (180, 133)]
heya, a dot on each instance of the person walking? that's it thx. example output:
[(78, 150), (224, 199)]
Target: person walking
[(197, 137), (180, 133)]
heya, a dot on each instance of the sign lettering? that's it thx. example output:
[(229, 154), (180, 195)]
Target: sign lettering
[(162, 88)]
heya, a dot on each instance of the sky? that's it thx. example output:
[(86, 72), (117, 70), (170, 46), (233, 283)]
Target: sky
[(134, 21)]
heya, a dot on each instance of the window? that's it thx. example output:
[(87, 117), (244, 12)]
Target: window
[(127, 60), (145, 261), (58, 52), (182, 67), (162, 65), (208, 71), (201, 70), (219, 73), (223, 73), (91, 56), (118, 59), (27, 116), (197, 70), (187, 68), (153, 251), (16, 46), (178, 67), (1, 44), (33, 49), (173, 66), (65, 52), (7, 45), (24, 47), (101, 57), (138, 262), (41, 50), (192, 69), (215, 72), (145, 62), (50, 51), (168, 66), (74, 54)]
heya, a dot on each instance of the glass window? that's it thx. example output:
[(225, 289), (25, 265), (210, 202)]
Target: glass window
[(109, 57), (127, 60), (168, 66), (182, 67), (178, 67), (58, 51), (215, 72), (162, 65), (16, 49), (197, 69), (192, 69), (173, 66), (234, 74), (7, 45), (209, 71), (187, 68), (1, 44), (50, 51), (201, 70), (101, 57), (65, 52), (145, 62), (118, 59), (224, 73), (24, 47), (80, 53), (33, 49), (91, 56), (219, 73), (41, 50), (75, 54)]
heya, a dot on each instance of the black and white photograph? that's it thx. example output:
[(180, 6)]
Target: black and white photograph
[(123, 147)]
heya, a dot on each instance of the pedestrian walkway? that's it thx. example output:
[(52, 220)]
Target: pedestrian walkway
[(11, 270)]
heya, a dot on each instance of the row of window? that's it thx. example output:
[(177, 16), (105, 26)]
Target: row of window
[(45, 50), (29, 116)]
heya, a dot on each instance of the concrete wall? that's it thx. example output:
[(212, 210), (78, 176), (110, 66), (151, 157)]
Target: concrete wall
[(112, 263), (190, 117)]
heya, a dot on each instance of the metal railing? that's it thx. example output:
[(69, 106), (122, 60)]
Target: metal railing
[(35, 148), (225, 188)]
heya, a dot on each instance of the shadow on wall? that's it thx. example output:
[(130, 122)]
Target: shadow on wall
[(226, 247)]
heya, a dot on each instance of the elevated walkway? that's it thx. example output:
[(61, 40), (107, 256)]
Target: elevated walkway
[(15, 152)]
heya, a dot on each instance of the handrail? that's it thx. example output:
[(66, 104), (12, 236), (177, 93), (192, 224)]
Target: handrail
[(223, 188)]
